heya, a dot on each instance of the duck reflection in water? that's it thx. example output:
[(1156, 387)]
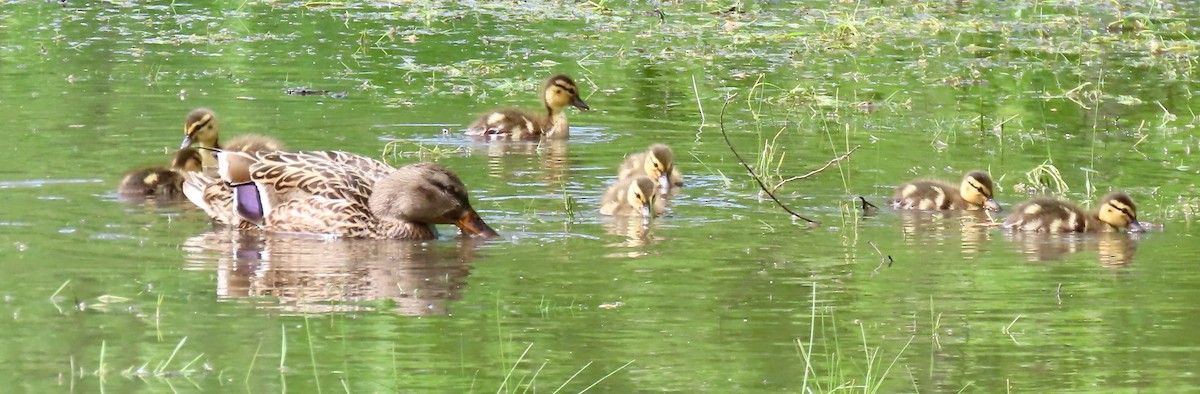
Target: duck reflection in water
[(1116, 249), (636, 231), (922, 228), (315, 275)]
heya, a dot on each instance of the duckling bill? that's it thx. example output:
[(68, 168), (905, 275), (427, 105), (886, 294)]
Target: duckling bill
[(975, 192), (558, 92), (1114, 212)]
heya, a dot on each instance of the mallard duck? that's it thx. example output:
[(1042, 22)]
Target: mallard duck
[(633, 196), (333, 193), (161, 181), (200, 128), (658, 163), (974, 193), (1115, 211), (558, 92)]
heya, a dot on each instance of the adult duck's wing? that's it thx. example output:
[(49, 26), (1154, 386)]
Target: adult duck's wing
[(314, 173), (210, 194), (318, 214)]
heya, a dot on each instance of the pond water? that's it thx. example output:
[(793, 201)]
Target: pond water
[(725, 294)]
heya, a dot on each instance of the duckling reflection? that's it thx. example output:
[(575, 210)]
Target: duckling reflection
[(921, 228), (309, 274), (546, 162), (1115, 249), (635, 230)]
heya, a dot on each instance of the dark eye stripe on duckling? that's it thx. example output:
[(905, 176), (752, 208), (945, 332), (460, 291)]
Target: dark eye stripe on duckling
[(566, 87), (1124, 209), (199, 124), (979, 187)]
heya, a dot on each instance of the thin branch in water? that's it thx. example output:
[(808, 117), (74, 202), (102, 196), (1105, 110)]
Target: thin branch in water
[(816, 171), (882, 259), (867, 207), (758, 180)]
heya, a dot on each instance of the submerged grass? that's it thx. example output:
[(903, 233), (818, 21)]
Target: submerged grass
[(839, 373)]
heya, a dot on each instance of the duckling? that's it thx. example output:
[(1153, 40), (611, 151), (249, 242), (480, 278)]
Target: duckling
[(658, 163), (333, 193), (161, 181), (1115, 212), (974, 193), (200, 128), (636, 195), (559, 91)]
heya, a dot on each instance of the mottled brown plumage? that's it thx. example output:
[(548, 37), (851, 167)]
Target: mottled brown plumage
[(1114, 212), (975, 192), (558, 92), (335, 193)]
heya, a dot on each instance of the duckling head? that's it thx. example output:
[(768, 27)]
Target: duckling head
[(1117, 210), (427, 193), (200, 127), (658, 165), (188, 159), (977, 189), (561, 91), (641, 195)]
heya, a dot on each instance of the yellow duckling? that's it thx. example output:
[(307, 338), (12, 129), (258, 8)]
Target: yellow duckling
[(1115, 212), (658, 163), (558, 92), (633, 196), (161, 181), (333, 193), (200, 128), (974, 193)]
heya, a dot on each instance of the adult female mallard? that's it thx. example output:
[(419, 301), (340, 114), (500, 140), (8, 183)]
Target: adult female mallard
[(161, 181), (558, 92), (636, 195), (974, 193), (658, 163), (200, 128), (333, 193), (1115, 211)]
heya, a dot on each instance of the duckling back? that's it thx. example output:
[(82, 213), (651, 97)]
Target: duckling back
[(926, 195), (1051, 216)]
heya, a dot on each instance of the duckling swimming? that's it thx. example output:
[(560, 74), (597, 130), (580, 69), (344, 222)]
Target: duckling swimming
[(334, 193), (200, 128), (658, 163), (974, 193), (161, 181), (558, 92), (1115, 211), (636, 195)]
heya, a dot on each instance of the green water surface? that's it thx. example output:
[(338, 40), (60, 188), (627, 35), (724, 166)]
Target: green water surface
[(725, 294)]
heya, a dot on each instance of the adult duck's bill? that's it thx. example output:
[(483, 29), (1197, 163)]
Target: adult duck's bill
[(471, 224)]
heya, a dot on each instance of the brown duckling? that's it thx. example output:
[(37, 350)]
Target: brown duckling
[(200, 128), (974, 193), (161, 181), (334, 193), (1115, 211), (636, 195), (658, 163), (558, 92)]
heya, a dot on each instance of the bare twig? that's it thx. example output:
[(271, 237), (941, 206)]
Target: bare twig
[(867, 206), (816, 171), (882, 259), (758, 180)]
